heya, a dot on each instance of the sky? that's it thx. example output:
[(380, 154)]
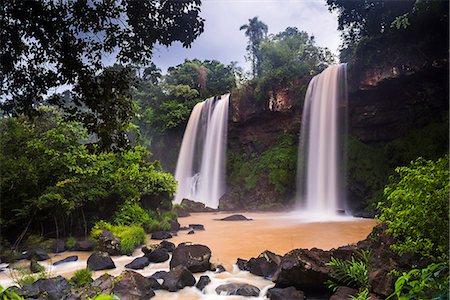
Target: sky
[(222, 40)]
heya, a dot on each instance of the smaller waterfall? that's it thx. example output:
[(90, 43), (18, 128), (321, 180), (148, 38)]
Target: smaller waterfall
[(321, 145), (200, 170)]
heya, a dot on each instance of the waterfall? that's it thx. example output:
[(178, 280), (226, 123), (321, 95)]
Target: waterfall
[(319, 176), (200, 170)]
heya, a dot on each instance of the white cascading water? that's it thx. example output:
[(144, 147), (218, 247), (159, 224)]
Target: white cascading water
[(320, 163), (205, 134)]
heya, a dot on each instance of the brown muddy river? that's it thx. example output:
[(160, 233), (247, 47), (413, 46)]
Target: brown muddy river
[(229, 240)]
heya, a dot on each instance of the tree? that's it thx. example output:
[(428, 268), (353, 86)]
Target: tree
[(255, 30), (46, 43)]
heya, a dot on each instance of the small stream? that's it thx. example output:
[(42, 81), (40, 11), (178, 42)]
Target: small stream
[(277, 232)]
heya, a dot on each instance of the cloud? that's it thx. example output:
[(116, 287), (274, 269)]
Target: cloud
[(222, 40)]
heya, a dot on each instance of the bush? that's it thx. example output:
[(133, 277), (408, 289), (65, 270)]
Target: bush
[(428, 283), (416, 208), (130, 236), (70, 242), (82, 277), (7, 294)]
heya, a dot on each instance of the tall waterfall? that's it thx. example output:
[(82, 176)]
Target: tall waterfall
[(200, 170), (319, 176)]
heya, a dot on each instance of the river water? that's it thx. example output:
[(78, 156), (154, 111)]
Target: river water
[(229, 240)]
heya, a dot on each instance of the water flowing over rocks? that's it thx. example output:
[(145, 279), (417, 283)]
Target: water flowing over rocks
[(194, 257), (100, 261), (240, 289), (178, 278)]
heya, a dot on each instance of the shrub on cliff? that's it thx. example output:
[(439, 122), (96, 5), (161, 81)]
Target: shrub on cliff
[(416, 210)]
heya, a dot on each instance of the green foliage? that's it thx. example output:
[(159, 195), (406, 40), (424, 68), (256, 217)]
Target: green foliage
[(25, 277), (362, 295), (354, 272), (279, 163), (255, 30), (82, 277), (7, 294), (53, 43), (105, 297), (70, 242), (416, 210), (130, 236), (428, 283), (47, 173)]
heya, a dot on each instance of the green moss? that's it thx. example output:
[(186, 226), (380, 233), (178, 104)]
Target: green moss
[(70, 242)]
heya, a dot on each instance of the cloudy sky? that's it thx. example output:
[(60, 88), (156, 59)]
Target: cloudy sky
[(223, 41)]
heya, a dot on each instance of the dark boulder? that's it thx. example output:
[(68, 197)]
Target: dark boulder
[(133, 286), (194, 257), (242, 264), (58, 246), (191, 232), (203, 281), (197, 227), (193, 206), (159, 275), (85, 245), (107, 242), (52, 288), (344, 292), (289, 293), (66, 260), (184, 228), (235, 218), (167, 245), (161, 235), (100, 261), (181, 212), (265, 264), (178, 278), (174, 225), (304, 269), (239, 289), (382, 281), (158, 255), (37, 254), (138, 263), (219, 269)]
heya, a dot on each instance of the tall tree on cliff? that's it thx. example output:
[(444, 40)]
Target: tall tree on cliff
[(47, 44), (255, 30)]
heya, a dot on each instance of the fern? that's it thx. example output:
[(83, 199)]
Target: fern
[(354, 273), (363, 295)]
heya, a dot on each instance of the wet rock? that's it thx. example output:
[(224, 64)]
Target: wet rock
[(66, 260), (184, 228), (133, 286), (235, 218), (381, 281), (194, 257), (344, 292), (304, 269), (191, 232), (287, 293), (161, 235), (174, 225), (265, 264), (159, 275), (203, 281), (52, 288), (158, 255), (37, 254), (107, 242), (178, 278), (181, 212), (167, 245), (35, 267), (86, 245), (197, 227), (240, 289), (58, 246), (219, 269), (138, 263), (242, 264), (100, 261), (192, 206)]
